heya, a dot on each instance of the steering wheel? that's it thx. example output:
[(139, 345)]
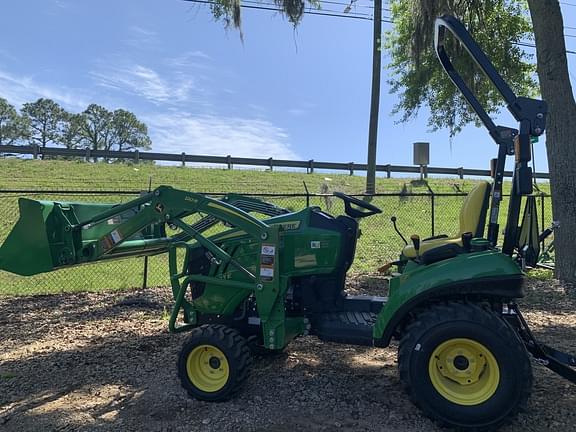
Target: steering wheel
[(354, 212)]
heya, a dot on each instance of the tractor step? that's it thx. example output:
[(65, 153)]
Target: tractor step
[(349, 327)]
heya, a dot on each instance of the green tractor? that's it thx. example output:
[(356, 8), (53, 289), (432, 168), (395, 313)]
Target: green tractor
[(270, 275)]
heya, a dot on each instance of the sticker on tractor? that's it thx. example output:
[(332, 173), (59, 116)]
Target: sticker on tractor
[(269, 250), (267, 272), (116, 236), (315, 245), (288, 226), (267, 260)]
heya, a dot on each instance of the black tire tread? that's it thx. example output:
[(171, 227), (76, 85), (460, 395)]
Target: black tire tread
[(454, 311), (238, 354)]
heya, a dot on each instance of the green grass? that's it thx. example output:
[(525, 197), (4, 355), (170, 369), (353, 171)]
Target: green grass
[(378, 243)]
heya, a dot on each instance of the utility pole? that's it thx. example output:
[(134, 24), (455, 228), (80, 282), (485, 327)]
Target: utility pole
[(375, 100)]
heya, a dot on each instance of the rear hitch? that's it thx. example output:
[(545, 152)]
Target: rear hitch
[(557, 361)]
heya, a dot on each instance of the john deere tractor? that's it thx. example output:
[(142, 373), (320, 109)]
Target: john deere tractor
[(268, 276)]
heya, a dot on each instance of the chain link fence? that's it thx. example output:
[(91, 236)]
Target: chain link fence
[(426, 214)]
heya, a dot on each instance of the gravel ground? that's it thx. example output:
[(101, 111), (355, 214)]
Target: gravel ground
[(79, 362)]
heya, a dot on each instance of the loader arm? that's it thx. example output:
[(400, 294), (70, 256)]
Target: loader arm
[(51, 235)]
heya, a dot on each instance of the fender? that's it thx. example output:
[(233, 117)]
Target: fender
[(488, 274)]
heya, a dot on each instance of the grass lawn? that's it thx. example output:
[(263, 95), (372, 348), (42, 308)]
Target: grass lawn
[(378, 243)]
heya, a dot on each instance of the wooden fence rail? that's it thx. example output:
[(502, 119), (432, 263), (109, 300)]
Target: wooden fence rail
[(229, 161)]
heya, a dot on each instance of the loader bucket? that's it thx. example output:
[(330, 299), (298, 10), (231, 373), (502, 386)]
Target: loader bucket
[(41, 240), (26, 250)]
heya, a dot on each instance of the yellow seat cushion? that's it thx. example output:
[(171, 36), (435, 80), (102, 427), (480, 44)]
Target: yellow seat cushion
[(425, 246), (472, 215)]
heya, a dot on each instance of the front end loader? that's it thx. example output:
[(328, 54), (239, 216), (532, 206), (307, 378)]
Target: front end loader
[(251, 277)]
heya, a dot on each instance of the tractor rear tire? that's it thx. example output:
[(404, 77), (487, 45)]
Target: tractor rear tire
[(214, 362), (465, 367)]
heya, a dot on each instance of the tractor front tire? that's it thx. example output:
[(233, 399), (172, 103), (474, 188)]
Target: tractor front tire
[(464, 366), (214, 362)]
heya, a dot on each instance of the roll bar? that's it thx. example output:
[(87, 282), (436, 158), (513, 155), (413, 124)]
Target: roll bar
[(530, 113)]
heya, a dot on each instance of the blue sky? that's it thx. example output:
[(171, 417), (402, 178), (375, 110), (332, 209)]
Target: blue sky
[(284, 93)]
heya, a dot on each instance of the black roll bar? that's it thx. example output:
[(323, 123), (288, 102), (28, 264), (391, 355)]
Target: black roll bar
[(530, 113)]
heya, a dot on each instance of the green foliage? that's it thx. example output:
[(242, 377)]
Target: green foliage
[(228, 11), (46, 121), (417, 76), (13, 127), (128, 133), (95, 125)]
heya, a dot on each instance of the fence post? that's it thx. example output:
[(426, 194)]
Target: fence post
[(88, 153), (433, 213), (311, 166), (271, 164), (388, 172), (145, 276), (461, 173), (229, 162), (183, 159), (351, 168), (137, 156), (543, 219), (35, 151)]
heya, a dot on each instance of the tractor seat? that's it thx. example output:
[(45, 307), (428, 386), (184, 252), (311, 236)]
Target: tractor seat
[(472, 219)]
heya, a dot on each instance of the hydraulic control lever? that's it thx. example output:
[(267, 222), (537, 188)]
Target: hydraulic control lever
[(393, 220)]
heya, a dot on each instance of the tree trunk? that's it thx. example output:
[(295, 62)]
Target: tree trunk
[(561, 129)]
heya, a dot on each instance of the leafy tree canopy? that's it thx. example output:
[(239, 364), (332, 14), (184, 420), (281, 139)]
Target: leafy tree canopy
[(417, 76)]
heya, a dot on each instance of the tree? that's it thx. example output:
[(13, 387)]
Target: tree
[(229, 10), (71, 136), (417, 76), (552, 66), (95, 127), (12, 127), (46, 119), (497, 25), (129, 133), (100, 129)]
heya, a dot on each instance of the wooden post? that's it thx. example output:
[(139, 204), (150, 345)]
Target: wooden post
[(271, 164), (311, 166), (375, 99), (137, 156), (229, 162), (183, 160), (351, 168)]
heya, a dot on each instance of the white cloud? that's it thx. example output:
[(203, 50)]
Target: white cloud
[(187, 59), (140, 37), (220, 136), (21, 89), (145, 82), (297, 112)]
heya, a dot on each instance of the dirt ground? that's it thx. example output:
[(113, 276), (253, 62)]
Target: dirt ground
[(105, 362)]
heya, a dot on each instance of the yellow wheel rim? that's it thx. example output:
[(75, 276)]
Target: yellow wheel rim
[(464, 371), (207, 368)]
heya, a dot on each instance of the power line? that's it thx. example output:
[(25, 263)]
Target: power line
[(529, 45), (255, 4), (308, 12)]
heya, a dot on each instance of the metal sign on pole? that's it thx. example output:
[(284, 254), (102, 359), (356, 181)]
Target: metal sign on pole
[(422, 157)]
